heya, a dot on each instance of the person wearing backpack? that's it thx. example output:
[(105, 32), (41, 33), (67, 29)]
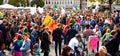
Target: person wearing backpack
[(105, 36), (112, 45)]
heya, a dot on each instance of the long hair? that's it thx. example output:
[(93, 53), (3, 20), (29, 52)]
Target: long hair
[(65, 51), (102, 51)]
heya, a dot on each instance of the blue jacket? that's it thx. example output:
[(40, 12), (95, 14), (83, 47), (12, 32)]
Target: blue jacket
[(16, 46), (26, 47), (116, 20)]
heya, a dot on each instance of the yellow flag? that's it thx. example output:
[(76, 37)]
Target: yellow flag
[(47, 20)]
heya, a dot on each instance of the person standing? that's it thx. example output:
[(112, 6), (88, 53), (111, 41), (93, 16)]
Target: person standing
[(86, 33), (71, 32), (26, 45), (112, 45), (2, 43), (4, 32), (34, 35), (57, 37), (117, 28), (17, 45), (42, 29), (46, 42)]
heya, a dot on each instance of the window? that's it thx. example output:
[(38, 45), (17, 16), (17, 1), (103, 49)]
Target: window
[(52, 2), (57, 2), (71, 2), (62, 2), (46, 2), (49, 2)]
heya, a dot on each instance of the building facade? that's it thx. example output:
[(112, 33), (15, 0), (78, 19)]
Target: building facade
[(5, 1), (62, 3)]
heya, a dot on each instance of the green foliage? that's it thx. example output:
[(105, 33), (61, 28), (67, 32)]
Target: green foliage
[(27, 1), (92, 7), (18, 2), (91, 0), (1, 2), (101, 1), (117, 1), (37, 2)]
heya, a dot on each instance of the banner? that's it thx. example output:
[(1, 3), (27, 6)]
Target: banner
[(93, 42), (47, 20), (56, 7), (40, 10), (50, 23), (33, 10)]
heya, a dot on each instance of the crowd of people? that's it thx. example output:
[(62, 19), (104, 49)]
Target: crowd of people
[(26, 32)]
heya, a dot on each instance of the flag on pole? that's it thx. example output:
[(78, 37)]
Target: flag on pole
[(78, 7), (47, 20), (56, 7), (74, 7), (50, 23)]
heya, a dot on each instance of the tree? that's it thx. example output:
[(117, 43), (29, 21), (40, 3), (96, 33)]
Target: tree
[(1, 2), (38, 3), (27, 3), (18, 2), (110, 2)]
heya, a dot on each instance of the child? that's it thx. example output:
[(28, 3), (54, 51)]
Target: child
[(17, 45), (36, 50)]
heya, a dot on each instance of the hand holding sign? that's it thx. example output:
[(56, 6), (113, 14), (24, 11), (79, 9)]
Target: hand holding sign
[(93, 41)]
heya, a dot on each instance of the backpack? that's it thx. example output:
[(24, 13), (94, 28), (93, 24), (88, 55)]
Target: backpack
[(83, 22), (107, 40), (93, 22)]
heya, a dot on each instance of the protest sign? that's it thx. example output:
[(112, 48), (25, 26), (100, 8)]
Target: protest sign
[(93, 42)]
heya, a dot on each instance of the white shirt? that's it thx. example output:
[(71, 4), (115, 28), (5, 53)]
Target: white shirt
[(98, 33), (73, 42)]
